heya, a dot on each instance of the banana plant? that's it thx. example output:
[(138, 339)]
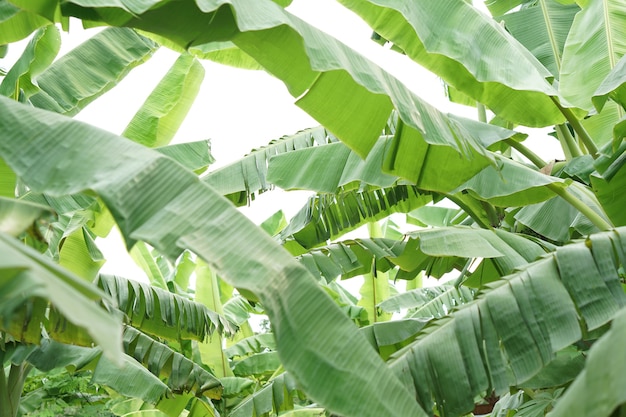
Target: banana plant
[(534, 248)]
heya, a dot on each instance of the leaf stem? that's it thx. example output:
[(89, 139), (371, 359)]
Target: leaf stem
[(468, 210), (594, 217), (530, 155), (578, 128), (482, 112), (569, 145)]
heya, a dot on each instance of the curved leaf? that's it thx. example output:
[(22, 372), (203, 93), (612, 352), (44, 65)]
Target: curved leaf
[(428, 302), (508, 87), (420, 252), (68, 85), (557, 220), (38, 54), (593, 48), (16, 216), (158, 119), (247, 177), (162, 313), (155, 200), (16, 24), (608, 184), (328, 216), (329, 84), (542, 29), (276, 396), (182, 375), (27, 275), (613, 87), (516, 325), (595, 391)]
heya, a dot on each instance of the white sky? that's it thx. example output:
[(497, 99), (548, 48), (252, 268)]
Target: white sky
[(240, 110)]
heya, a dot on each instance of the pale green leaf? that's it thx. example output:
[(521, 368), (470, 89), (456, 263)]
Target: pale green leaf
[(16, 24), (442, 36), (613, 87), (158, 119), (68, 85), (41, 50), (594, 46), (242, 180), (542, 29), (195, 156), (160, 312), (500, 340), (17, 216)]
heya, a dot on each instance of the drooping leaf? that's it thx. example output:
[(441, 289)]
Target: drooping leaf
[(225, 53), (613, 87), (608, 184), (195, 156), (68, 85), (136, 184), (511, 183), (80, 255), (255, 344), (500, 340), (542, 29), (16, 216), (423, 31), (593, 48), (595, 391), (557, 220), (328, 84), (182, 375), (247, 177), (158, 119), (276, 396), (160, 312), (428, 302), (328, 216), (37, 56), (28, 275), (16, 24)]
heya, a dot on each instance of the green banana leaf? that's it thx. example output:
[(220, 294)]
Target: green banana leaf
[(328, 216), (595, 390), (613, 87), (276, 396), (136, 184), (16, 216), (30, 280), (329, 84), (162, 313), (499, 340), (557, 220), (608, 183), (159, 118), (428, 302), (592, 50), (41, 50), (68, 85), (17, 23), (542, 29), (508, 87), (242, 180)]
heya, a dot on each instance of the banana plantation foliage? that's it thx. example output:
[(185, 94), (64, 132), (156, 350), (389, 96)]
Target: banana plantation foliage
[(527, 318)]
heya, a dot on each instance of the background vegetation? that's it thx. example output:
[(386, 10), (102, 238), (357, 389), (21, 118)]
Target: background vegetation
[(532, 321)]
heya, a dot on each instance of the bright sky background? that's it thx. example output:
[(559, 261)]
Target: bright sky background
[(240, 110)]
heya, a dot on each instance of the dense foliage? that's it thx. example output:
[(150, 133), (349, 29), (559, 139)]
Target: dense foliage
[(529, 321)]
